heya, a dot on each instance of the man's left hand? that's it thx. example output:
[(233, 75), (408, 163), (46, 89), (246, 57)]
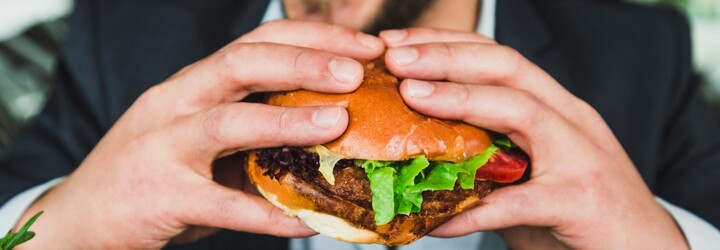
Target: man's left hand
[(584, 191)]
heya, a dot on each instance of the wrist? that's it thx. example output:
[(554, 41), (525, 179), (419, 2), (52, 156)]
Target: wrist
[(651, 228), (678, 239), (56, 225)]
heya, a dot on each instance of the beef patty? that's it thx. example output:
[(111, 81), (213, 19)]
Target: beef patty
[(351, 196)]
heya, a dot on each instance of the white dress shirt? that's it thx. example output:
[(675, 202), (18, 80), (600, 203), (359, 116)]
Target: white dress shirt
[(699, 233)]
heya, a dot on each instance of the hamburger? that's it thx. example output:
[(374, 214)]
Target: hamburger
[(393, 176)]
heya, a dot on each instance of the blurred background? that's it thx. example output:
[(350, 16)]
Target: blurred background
[(31, 31)]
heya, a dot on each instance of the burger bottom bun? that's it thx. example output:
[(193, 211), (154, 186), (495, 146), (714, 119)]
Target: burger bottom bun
[(343, 220), (326, 224)]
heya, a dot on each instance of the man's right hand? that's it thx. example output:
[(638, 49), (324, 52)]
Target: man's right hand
[(150, 178)]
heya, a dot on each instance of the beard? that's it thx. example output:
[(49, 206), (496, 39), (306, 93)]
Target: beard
[(317, 6), (393, 14), (397, 14)]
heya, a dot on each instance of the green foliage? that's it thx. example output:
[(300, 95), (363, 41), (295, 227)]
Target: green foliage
[(10, 240)]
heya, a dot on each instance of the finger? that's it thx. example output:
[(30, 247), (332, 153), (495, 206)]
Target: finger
[(504, 208), (242, 126), (402, 37), (211, 205), (235, 71), (516, 113), (330, 37), (473, 63)]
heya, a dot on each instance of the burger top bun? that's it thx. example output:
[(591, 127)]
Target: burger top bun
[(383, 127)]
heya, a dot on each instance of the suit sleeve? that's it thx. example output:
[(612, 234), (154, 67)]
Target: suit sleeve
[(690, 177)]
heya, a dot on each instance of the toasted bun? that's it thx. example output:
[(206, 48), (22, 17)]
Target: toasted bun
[(343, 220), (382, 127)]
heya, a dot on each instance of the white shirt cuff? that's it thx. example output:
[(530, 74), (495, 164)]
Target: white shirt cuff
[(12, 210), (698, 232)]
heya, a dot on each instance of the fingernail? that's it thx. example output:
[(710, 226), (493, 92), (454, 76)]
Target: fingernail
[(326, 117), (403, 55), (417, 88), (345, 70), (393, 35), (368, 40)]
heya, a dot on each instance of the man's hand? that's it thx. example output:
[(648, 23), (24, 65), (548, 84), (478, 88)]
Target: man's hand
[(584, 191), (151, 177)]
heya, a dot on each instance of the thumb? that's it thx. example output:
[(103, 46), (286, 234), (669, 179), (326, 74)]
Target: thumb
[(212, 205), (504, 208)]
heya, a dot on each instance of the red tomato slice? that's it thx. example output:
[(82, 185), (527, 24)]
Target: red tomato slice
[(503, 167)]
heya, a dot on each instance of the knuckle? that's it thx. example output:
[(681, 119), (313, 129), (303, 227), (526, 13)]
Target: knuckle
[(310, 65), (226, 207), (446, 50), (212, 125), (469, 220), (467, 100), (274, 217), (230, 61), (146, 99), (300, 60), (586, 109), (591, 189), (271, 126), (463, 96), (230, 56), (337, 34), (513, 61), (530, 109), (519, 202), (283, 120), (274, 25)]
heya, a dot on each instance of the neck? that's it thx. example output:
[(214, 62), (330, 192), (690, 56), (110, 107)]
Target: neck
[(451, 14)]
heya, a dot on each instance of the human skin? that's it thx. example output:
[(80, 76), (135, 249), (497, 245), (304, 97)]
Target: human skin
[(584, 191), (151, 176)]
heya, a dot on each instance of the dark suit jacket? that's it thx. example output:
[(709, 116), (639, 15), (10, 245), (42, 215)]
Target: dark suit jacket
[(631, 63)]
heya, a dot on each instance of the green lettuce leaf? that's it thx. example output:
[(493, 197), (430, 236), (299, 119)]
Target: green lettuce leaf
[(442, 177), (504, 143), (409, 203), (466, 179), (371, 165), (409, 172), (381, 185), (397, 187)]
